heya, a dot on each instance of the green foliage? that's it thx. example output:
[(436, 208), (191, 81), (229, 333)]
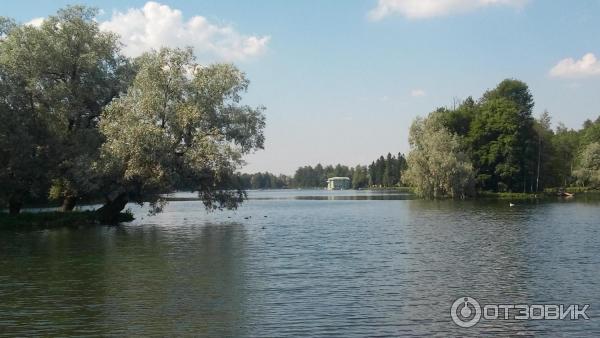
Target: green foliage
[(26, 141), (514, 91), (566, 143), (499, 135), (591, 131), (437, 165), (513, 152), (65, 72), (360, 177), (494, 138), (588, 174), (264, 180), (179, 125), (458, 121), (309, 177), (548, 170), (387, 171), (81, 121)]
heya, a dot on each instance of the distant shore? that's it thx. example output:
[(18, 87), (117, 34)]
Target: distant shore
[(56, 219)]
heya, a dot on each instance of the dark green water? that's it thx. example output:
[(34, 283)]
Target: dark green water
[(320, 264)]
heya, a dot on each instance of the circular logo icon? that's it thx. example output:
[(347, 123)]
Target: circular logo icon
[(465, 312)]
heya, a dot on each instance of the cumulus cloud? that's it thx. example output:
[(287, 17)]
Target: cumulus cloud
[(587, 66), (37, 22), (420, 9), (156, 25), (417, 93)]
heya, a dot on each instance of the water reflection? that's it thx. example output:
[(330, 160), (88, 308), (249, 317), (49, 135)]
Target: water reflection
[(187, 281), (45, 279), (304, 263), (124, 281)]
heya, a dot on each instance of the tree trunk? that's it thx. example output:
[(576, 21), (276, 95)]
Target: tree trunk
[(68, 203), (14, 206), (109, 212)]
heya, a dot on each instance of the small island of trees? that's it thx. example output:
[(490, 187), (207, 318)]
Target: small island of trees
[(495, 144)]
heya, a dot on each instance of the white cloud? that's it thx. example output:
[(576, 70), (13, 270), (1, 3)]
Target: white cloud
[(417, 93), (37, 22), (587, 66), (420, 9), (156, 25)]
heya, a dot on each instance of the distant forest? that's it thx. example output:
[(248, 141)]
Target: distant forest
[(493, 143), (383, 172)]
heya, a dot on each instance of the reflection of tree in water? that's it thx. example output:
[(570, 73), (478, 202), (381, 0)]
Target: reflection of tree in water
[(51, 282), (185, 280), (123, 280)]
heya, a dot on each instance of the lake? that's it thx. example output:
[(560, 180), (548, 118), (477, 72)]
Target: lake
[(312, 263)]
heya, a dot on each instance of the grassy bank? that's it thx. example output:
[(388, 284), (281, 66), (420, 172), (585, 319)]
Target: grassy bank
[(575, 190), (548, 193), (407, 190), (480, 194), (511, 195), (48, 220)]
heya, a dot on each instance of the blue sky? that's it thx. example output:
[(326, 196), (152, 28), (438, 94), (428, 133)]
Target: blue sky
[(342, 80)]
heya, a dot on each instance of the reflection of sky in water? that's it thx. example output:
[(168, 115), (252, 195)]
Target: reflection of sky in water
[(312, 266)]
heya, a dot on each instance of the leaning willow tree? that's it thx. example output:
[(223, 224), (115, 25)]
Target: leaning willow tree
[(55, 80), (180, 125)]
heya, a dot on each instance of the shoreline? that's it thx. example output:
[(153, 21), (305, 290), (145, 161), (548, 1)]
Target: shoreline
[(51, 219), (55, 219)]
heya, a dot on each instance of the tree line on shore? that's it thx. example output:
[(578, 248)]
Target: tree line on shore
[(495, 144), (383, 172), (490, 144), (81, 121)]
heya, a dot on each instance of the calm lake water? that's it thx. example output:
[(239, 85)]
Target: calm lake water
[(314, 263)]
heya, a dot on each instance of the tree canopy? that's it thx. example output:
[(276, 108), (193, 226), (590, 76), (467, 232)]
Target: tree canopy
[(510, 149), (67, 71), (80, 120), (437, 165), (588, 173), (180, 124)]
